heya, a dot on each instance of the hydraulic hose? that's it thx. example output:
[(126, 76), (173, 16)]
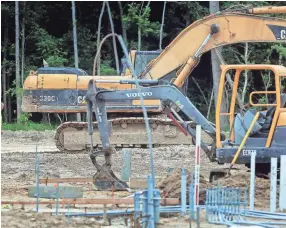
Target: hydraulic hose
[(125, 51)]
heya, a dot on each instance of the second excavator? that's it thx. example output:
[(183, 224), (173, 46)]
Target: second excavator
[(51, 91)]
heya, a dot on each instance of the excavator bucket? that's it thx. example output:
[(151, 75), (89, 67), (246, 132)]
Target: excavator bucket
[(105, 180), (217, 174)]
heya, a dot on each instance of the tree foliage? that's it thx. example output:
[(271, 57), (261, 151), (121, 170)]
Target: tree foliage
[(138, 19), (49, 36)]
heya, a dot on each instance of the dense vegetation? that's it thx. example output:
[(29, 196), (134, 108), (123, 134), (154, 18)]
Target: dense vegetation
[(46, 32)]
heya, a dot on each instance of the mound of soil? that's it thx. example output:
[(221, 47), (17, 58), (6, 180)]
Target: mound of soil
[(241, 179), (171, 185)]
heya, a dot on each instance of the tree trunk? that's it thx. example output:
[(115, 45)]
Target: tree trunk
[(23, 43), (17, 60), (98, 36), (113, 38), (74, 36), (78, 117), (4, 73), (246, 55), (139, 26), (162, 25), (122, 24), (139, 38), (214, 7), (8, 106)]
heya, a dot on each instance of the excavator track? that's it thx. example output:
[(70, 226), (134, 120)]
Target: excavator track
[(129, 132)]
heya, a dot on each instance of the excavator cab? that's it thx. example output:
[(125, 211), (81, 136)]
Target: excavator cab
[(139, 59), (260, 128)]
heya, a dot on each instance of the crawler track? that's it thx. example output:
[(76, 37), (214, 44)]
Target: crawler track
[(164, 133)]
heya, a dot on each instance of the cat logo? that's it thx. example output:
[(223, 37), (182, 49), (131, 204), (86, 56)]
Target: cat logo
[(278, 31), (283, 35), (81, 100)]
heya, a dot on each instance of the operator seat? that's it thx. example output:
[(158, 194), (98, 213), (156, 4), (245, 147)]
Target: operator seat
[(270, 112), (242, 123)]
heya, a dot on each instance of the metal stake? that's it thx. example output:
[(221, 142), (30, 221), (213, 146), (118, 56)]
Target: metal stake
[(197, 163), (57, 203), (282, 195), (137, 205), (198, 217), (68, 220), (37, 177), (252, 182), (126, 168), (273, 184), (183, 193)]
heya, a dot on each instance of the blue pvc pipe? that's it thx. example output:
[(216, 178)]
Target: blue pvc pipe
[(137, 204), (145, 208), (151, 202)]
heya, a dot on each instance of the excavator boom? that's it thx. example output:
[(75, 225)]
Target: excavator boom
[(233, 28), (267, 9)]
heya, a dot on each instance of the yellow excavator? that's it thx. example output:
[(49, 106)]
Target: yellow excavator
[(62, 90)]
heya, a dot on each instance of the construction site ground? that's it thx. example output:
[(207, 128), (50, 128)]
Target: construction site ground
[(18, 173)]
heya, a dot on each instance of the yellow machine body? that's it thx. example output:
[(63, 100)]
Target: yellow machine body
[(64, 92)]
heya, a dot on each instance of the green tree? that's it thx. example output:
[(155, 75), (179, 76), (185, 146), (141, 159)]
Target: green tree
[(50, 48), (138, 18)]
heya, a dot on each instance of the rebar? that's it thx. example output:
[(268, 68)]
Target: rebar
[(223, 206), (37, 178), (183, 192), (58, 195)]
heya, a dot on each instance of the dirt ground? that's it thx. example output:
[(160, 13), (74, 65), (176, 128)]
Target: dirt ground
[(21, 219), (18, 172)]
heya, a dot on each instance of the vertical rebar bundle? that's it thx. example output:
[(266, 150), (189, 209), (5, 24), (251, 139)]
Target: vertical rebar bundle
[(224, 205)]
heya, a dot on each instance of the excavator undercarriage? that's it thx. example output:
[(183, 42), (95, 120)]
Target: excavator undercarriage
[(73, 136)]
